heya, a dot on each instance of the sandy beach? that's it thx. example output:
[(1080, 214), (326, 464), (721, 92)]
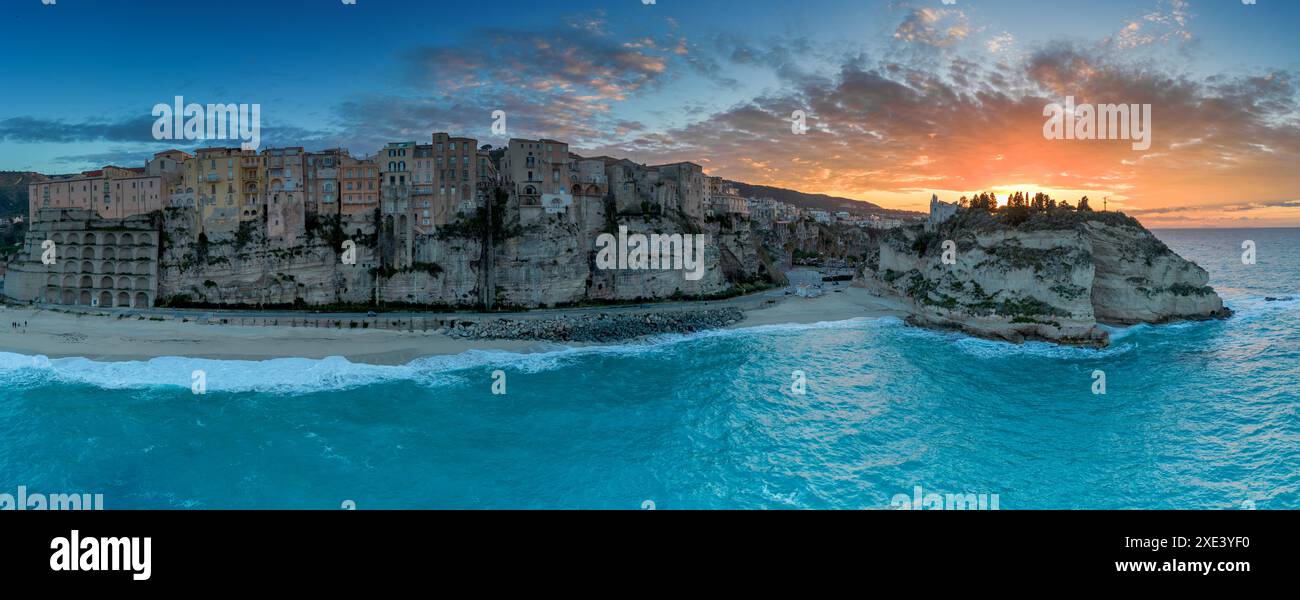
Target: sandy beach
[(109, 338)]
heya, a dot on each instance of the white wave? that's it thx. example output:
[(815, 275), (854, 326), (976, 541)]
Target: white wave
[(1260, 305), (306, 375), (992, 349)]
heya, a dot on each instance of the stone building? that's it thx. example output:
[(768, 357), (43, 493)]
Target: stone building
[(537, 174), (692, 188), (96, 262), (940, 211), (456, 165)]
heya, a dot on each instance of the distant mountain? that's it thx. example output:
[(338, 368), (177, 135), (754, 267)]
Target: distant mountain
[(13, 192), (816, 201)]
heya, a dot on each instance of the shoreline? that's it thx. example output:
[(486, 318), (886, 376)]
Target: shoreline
[(109, 338)]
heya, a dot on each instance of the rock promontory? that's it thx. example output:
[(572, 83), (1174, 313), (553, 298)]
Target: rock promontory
[(1045, 273)]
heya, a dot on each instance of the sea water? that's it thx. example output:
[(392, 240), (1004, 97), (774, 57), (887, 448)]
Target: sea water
[(1194, 415)]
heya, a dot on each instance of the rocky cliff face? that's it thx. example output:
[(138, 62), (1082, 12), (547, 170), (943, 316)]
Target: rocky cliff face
[(1050, 276), (523, 261)]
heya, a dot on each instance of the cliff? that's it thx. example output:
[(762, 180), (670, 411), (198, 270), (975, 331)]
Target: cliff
[(1050, 275), (525, 259)]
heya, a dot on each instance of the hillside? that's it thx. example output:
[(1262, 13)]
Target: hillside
[(816, 201), (13, 192)]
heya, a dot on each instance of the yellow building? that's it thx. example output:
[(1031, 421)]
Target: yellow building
[(212, 184)]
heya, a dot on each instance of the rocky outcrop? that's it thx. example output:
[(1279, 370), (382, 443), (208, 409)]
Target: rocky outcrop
[(1051, 275), (597, 327)]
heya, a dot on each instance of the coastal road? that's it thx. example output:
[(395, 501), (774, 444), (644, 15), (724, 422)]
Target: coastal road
[(748, 301)]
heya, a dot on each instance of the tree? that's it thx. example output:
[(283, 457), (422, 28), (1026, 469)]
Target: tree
[(1083, 205)]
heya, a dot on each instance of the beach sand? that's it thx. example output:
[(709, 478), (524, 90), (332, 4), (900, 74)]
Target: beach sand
[(108, 338)]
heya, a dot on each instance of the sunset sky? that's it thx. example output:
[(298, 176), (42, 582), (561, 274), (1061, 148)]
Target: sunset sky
[(904, 98)]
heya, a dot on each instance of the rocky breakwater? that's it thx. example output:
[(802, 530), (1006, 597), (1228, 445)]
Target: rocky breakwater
[(596, 327), (1050, 274)]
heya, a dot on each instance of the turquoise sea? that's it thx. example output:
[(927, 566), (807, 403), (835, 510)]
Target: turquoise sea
[(1195, 415)]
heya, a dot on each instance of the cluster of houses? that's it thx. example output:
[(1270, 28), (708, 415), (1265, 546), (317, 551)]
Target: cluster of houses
[(421, 185), (769, 212)]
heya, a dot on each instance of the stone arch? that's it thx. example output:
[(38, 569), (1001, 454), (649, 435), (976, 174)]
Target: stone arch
[(86, 282), (124, 267), (142, 268), (109, 239), (51, 295), (87, 266), (69, 281), (52, 280), (84, 300), (57, 238), (69, 267), (123, 299), (106, 299), (126, 239), (141, 283), (88, 253), (125, 254), (89, 240), (69, 297), (108, 253), (142, 300), (106, 283), (74, 238), (123, 283), (144, 239)]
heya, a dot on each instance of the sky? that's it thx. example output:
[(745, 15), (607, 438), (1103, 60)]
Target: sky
[(902, 98)]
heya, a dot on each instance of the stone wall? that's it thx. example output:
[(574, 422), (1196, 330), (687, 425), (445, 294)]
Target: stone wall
[(109, 263)]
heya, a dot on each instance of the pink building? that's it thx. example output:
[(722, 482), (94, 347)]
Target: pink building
[(112, 192)]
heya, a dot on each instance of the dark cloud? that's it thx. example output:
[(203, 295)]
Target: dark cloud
[(60, 131)]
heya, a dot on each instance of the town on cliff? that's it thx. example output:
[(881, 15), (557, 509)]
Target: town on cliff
[(450, 225), (447, 224)]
